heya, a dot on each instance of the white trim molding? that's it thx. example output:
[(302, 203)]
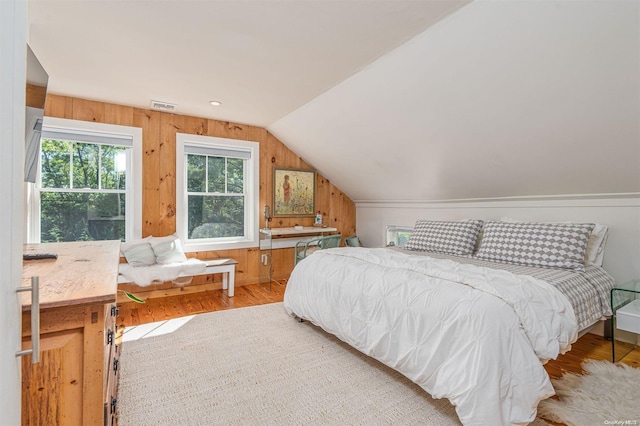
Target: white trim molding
[(252, 187), (134, 231)]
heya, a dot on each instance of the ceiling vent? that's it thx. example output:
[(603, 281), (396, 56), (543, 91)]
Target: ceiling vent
[(163, 106)]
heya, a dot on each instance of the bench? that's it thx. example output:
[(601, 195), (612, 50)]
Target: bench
[(224, 266)]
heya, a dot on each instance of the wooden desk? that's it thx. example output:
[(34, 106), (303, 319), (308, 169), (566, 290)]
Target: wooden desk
[(75, 381)]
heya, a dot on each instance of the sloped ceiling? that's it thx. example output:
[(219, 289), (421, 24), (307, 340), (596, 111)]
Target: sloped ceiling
[(500, 99), (261, 58), (391, 100)]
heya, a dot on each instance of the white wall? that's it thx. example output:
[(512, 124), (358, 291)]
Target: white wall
[(499, 99), (13, 58), (620, 213)]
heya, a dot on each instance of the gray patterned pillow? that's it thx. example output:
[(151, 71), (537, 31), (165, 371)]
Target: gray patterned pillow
[(549, 245), (457, 238)]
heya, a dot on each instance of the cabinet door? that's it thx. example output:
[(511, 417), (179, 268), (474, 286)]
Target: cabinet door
[(52, 389)]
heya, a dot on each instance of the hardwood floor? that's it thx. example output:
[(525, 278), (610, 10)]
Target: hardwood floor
[(165, 308)]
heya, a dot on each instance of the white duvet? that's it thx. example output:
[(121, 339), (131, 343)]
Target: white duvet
[(476, 336)]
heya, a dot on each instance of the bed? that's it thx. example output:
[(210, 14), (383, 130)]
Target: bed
[(457, 313)]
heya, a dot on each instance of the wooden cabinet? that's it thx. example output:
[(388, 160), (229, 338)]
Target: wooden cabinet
[(76, 379)]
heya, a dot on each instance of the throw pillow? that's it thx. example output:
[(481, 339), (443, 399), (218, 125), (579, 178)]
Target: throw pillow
[(167, 249)]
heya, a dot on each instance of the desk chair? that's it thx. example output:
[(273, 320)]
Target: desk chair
[(305, 248), (352, 241)]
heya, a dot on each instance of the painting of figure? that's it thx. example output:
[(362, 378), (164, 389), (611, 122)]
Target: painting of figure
[(294, 192)]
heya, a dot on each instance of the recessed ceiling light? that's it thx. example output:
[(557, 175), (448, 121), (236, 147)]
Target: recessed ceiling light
[(215, 103)]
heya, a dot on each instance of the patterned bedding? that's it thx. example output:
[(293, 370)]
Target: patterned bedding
[(588, 292)]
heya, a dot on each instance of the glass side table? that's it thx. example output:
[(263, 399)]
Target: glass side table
[(623, 342)]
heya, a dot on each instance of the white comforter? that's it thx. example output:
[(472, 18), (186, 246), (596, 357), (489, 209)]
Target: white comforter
[(473, 335)]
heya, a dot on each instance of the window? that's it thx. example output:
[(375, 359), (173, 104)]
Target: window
[(88, 183), (398, 235), (217, 187)]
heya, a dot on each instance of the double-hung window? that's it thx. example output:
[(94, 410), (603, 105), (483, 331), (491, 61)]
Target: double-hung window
[(86, 186), (217, 188)]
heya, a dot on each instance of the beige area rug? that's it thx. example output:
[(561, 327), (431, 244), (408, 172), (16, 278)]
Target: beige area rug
[(607, 394), (258, 366)]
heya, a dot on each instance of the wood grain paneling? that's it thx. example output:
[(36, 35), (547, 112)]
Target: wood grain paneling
[(149, 122), (118, 114), (159, 168), (63, 282), (85, 110), (58, 106), (57, 384), (35, 95)]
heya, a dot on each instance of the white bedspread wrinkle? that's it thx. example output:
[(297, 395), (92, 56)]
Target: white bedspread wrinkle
[(476, 336)]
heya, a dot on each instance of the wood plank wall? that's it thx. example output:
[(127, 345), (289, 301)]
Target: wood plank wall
[(159, 168)]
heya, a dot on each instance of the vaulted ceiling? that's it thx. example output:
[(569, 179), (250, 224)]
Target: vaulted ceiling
[(391, 100)]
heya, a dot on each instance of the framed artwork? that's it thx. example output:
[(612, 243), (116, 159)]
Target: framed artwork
[(294, 192)]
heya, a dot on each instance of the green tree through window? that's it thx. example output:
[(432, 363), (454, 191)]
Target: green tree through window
[(82, 191), (215, 196)]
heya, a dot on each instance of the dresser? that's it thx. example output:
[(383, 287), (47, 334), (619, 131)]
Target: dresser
[(75, 382)]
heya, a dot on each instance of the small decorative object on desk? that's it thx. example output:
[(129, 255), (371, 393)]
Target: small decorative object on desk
[(318, 221)]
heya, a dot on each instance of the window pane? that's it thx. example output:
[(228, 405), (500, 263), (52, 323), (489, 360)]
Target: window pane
[(216, 174), (113, 160), (55, 163), (402, 238), (196, 172), (235, 175), (85, 165), (215, 216), (68, 216)]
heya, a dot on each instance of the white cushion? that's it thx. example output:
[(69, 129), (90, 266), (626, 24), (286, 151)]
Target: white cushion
[(167, 249), (138, 252)]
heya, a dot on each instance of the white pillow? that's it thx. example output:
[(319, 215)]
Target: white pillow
[(167, 249), (138, 252), (595, 245)]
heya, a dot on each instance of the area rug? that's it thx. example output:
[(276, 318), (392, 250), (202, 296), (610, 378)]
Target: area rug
[(258, 366), (606, 394)]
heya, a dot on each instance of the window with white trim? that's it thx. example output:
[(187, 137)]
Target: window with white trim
[(217, 189), (398, 235), (87, 187)]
